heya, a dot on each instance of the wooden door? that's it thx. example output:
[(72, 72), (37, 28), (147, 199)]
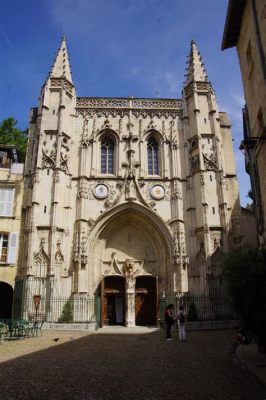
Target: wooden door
[(113, 303), (146, 301)]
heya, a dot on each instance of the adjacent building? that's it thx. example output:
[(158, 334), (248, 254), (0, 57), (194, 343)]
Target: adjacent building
[(11, 196), (245, 29), (126, 199)]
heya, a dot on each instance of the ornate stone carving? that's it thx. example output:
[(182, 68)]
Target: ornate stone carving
[(163, 127), (61, 83), (151, 125), (112, 198), (177, 191), (113, 267), (69, 184), (83, 192), (210, 162), (106, 124), (172, 142), (179, 245), (203, 86), (57, 176), (90, 102), (59, 258), (188, 90), (146, 191), (91, 223), (195, 164), (85, 140), (130, 190), (41, 260), (80, 249), (129, 273), (157, 113), (157, 104), (64, 154), (36, 177), (223, 181), (48, 158)]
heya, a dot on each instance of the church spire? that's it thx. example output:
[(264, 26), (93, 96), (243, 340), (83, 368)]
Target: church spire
[(61, 66), (195, 71)]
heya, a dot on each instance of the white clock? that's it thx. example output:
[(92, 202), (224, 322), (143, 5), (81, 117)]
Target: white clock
[(101, 191), (157, 192)]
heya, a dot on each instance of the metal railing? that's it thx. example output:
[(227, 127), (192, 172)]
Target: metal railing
[(73, 309), (201, 307)]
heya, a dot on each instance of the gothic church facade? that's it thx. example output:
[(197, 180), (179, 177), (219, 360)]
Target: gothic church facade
[(129, 197)]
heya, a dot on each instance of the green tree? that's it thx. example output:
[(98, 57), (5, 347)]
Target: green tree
[(67, 312), (11, 135), (245, 272)]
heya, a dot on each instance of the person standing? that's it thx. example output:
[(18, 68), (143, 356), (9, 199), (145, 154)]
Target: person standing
[(169, 320), (181, 322)]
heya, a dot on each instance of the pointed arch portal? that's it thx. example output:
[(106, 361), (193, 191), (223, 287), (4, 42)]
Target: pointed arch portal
[(133, 253)]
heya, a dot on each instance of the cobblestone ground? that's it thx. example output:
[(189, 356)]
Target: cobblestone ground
[(118, 366)]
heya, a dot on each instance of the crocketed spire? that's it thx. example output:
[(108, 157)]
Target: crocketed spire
[(61, 66), (195, 70)]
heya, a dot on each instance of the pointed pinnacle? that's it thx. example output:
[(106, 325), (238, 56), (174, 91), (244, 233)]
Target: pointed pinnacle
[(61, 66)]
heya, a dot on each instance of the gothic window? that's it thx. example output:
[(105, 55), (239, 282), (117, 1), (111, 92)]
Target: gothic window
[(107, 155), (153, 165)]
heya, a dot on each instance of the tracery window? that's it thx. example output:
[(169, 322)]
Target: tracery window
[(153, 165), (107, 155)]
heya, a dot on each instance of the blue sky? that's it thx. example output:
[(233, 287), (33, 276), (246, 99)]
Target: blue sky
[(117, 48)]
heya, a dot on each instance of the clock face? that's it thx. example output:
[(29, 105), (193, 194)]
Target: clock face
[(101, 191), (157, 192)]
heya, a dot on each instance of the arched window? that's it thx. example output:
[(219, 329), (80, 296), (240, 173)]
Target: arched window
[(107, 155), (153, 166)]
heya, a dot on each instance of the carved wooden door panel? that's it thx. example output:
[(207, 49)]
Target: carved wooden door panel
[(139, 299), (113, 301), (145, 300)]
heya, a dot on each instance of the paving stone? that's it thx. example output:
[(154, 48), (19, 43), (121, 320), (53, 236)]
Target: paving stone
[(134, 367)]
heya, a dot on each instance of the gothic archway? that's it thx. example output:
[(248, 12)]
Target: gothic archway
[(131, 243), (6, 300)]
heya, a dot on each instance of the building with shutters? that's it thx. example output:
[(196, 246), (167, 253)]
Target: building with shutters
[(245, 29), (126, 199), (11, 196)]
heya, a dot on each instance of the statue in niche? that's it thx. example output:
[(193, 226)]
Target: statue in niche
[(129, 273)]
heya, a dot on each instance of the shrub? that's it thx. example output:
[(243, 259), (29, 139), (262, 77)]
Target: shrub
[(67, 312), (192, 312), (245, 272)]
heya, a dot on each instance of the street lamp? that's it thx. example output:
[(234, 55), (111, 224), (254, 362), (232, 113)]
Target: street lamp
[(37, 300)]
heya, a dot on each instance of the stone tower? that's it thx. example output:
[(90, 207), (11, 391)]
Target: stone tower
[(126, 198), (212, 203)]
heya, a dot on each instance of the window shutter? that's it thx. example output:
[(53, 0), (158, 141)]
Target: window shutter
[(9, 201), (2, 201), (6, 202), (11, 256)]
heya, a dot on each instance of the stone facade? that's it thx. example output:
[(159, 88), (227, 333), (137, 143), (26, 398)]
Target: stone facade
[(245, 28), (11, 196), (128, 188)]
